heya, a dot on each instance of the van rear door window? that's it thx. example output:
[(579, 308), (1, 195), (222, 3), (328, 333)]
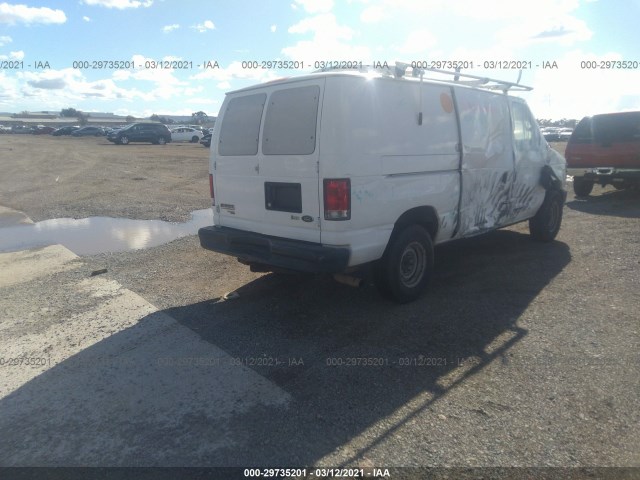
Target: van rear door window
[(241, 126), (290, 123)]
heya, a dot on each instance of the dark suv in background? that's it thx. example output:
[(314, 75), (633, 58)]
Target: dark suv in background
[(155, 133)]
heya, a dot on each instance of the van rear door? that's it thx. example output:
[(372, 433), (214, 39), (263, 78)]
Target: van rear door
[(265, 161)]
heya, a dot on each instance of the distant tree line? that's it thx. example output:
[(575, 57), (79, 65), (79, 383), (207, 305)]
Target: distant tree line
[(198, 118)]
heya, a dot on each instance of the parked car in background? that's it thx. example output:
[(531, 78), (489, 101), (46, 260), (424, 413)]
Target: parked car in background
[(206, 140), (20, 129), (5, 129), (68, 130), (551, 134), (108, 130), (565, 134), (88, 132), (155, 133), (605, 149), (42, 130), (186, 134)]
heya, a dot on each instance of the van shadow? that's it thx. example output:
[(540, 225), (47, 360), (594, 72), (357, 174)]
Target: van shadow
[(481, 288), (614, 203), (357, 360)]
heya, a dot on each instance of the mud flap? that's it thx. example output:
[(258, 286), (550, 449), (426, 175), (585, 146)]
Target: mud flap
[(549, 180)]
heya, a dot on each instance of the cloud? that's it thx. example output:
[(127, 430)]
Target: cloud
[(86, 19), (12, 14), (234, 71), (314, 6), (204, 26), (48, 83), (563, 30), (562, 95), (17, 55), (119, 4), (322, 26), (329, 42), (170, 28), (4, 40), (417, 42), (372, 14), (273, 28), (566, 30)]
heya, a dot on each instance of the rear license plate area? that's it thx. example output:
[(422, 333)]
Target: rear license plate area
[(283, 197)]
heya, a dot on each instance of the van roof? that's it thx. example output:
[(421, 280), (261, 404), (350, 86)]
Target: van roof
[(399, 72)]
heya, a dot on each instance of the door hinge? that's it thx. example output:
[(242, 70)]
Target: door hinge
[(215, 165), (257, 168)]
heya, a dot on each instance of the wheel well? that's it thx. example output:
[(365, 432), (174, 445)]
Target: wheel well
[(423, 216)]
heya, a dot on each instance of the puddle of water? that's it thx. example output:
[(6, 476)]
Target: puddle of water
[(88, 236)]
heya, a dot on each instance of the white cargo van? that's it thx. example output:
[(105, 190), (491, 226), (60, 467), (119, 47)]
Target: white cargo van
[(338, 170)]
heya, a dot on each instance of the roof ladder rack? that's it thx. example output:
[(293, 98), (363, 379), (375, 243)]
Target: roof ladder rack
[(459, 78)]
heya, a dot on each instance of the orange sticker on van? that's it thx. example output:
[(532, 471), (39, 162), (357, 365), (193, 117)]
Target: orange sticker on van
[(446, 102)]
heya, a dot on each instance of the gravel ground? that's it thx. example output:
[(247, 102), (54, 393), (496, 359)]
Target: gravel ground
[(521, 354)]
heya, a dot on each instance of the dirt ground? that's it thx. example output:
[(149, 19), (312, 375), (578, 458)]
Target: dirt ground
[(521, 354), (58, 177)]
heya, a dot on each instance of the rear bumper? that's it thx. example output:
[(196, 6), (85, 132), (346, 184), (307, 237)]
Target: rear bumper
[(251, 247), (605, 173)]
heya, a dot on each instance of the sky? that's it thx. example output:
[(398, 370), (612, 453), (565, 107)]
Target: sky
[(56, 54)]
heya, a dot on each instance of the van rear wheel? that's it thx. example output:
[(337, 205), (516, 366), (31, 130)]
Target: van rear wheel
[(405, 269)]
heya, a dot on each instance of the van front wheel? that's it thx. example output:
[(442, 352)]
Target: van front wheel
[(546, 224), (404, 271)]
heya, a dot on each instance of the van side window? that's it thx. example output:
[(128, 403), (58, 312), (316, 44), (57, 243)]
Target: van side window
[(241, 127), (290, 122), (525, 132)]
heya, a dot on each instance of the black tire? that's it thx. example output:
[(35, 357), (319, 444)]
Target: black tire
[(582, 187), (162, 140), (405, 269), (124, 140), (194, 139), (546, 224)]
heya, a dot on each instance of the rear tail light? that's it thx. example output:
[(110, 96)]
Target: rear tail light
[(337, 199), (213, 196)]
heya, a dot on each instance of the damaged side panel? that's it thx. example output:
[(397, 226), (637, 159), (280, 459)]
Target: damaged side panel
[(487, 161)]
